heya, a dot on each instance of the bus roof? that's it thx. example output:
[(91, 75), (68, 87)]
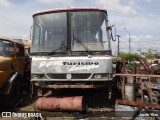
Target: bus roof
[(67, 9)]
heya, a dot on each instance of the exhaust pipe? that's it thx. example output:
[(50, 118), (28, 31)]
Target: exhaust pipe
[(75, 103)]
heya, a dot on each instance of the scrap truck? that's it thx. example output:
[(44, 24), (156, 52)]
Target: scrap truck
[(14, 70), (70, 49)]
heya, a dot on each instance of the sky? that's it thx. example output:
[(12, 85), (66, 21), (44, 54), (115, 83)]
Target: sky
[(141, 18)]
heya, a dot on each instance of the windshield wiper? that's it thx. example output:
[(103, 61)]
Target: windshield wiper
[(79, 41), (62, 48)]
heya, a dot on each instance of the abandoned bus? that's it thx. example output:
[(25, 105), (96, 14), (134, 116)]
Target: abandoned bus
[(70, 49)]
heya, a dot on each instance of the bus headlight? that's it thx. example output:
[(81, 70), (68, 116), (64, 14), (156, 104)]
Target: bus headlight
[(97, 76)]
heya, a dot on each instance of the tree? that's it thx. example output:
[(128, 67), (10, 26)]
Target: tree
[(130, 58)]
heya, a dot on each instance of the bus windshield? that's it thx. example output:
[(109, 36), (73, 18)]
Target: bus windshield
[(89, 27), (67, 30), (49, 32)]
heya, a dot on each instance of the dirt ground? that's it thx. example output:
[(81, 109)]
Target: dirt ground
[(98, 108)]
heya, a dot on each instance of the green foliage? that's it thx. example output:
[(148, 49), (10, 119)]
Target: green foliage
[(150, 56), (129, 66), (129, 56), (158, 56)]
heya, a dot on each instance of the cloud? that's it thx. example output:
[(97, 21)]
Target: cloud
[(144, 24), (25, 36), (150, 1), (116, 6), (143, 42), (136, 38), (48, 1), (67, 2), (5, 3), (15, 24), (141, 19), (9, 23)]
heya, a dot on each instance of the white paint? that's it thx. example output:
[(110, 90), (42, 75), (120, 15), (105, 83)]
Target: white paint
[(88, 67), (47, 64)]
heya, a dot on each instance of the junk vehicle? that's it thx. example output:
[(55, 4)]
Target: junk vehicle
[(14, 70), (70, 49)]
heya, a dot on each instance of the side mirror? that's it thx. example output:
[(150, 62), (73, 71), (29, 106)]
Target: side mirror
[(111, 32)]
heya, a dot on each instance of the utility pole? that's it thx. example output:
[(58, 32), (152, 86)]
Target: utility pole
[(129, 41), (118, 36)]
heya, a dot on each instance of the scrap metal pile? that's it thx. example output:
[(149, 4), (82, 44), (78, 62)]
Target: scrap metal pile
[(140, 88)]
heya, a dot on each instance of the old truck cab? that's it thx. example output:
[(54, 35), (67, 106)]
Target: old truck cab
[(12, 70)]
